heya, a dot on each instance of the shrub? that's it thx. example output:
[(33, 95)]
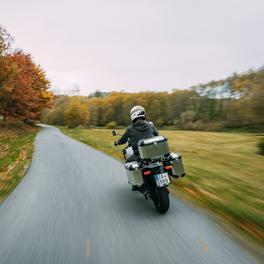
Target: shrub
[(215, 126), (111, 125), (261, 147)]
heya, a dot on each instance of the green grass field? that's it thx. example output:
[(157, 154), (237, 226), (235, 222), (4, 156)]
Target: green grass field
[(16, 148), (224, 172)]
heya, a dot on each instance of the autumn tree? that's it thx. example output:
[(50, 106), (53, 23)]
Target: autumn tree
[(56, 115), (5, 42), (76, 112), (25, 92), (24, 88)]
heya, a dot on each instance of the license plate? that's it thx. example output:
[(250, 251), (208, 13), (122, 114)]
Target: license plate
[(162, 179)]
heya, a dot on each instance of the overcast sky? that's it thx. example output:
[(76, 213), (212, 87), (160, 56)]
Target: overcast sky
[(137, 45)]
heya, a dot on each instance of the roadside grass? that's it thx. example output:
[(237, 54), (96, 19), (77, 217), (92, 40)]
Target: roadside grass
[(16, 148), (225, 173)]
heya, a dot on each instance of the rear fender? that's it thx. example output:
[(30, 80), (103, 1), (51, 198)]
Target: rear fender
[(149, 179)]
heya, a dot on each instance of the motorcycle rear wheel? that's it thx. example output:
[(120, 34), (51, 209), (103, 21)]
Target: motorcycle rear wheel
[(161, 200)]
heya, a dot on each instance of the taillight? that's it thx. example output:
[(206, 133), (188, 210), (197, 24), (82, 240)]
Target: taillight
[(169, 167), (147, 172)]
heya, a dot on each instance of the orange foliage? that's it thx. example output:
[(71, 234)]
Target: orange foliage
[(24, 92)]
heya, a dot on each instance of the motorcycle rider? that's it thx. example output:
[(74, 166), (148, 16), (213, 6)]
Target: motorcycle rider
[(139, 129)]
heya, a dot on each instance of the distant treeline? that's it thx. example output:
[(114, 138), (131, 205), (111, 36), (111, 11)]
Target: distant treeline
[(182, 109)]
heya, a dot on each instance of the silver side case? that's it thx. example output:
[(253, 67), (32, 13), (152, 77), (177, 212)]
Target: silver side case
[(134, 174), (177, 163)]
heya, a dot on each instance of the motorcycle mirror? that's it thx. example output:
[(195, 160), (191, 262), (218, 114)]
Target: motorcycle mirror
[(114, 133)]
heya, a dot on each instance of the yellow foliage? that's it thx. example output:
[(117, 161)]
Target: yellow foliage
[(76, 113)]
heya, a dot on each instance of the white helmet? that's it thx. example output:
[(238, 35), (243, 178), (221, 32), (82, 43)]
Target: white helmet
[(136, 112)]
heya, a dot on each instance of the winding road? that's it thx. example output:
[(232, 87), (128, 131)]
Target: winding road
[(74, 206)]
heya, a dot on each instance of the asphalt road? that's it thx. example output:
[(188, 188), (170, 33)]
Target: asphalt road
[(74, 206)]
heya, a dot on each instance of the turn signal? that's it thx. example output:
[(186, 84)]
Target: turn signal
[(169, 167), (147, 172)]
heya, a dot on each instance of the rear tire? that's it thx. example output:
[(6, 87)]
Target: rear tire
[(161, 200)]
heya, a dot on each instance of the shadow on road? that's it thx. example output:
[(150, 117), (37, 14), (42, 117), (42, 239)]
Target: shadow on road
[(134, 203)]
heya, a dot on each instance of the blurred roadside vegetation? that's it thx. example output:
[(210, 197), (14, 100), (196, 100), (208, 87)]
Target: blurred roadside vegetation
[(224, 172), (261, 147), (16, 148)]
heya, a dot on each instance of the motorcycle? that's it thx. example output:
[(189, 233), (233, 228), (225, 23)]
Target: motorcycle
[(151, 173)]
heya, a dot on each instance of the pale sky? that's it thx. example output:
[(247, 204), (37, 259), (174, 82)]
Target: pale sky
[(137, 45)]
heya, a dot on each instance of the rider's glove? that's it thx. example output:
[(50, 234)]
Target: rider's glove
[(116, 143)]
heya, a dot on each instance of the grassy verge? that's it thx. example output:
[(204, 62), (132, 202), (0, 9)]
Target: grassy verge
[(224, 172), (16, 148)]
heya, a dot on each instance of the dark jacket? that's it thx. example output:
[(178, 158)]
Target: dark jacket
[(137, 131)]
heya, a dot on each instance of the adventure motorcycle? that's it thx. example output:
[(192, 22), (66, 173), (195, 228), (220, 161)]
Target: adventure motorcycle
[(151, 173)]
